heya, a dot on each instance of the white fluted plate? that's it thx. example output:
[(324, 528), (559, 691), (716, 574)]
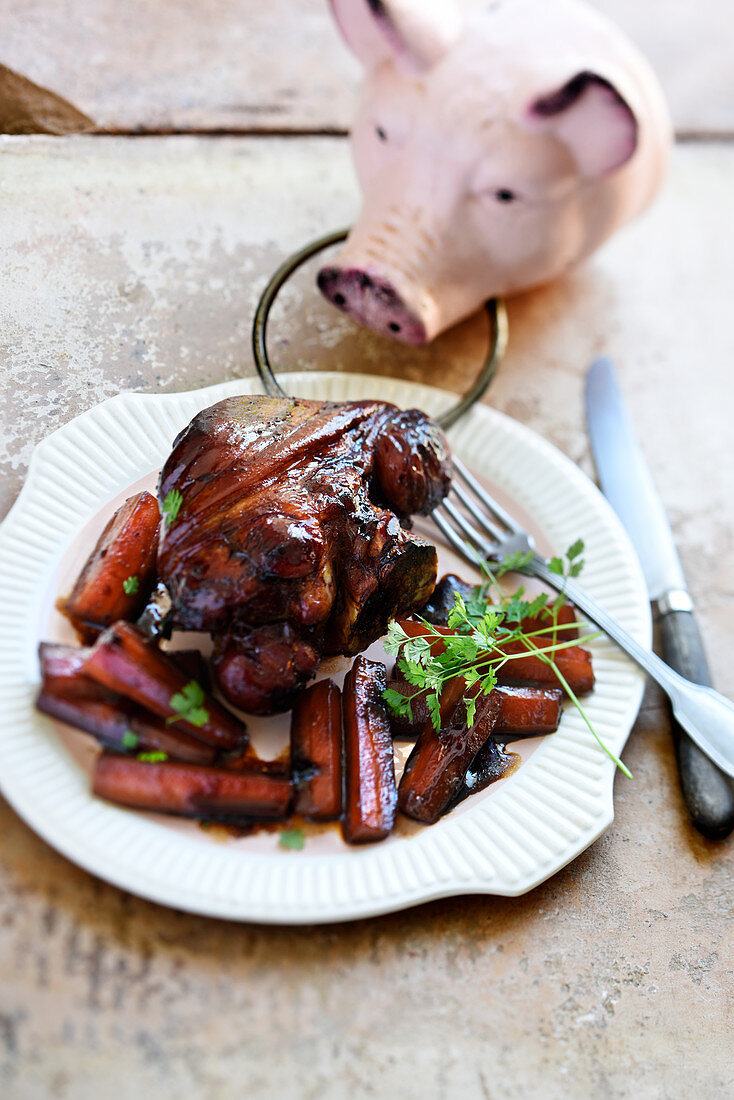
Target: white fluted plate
[(505, 840)]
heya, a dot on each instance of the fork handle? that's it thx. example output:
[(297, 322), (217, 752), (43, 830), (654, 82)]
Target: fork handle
[(705, 715), (707, 791)]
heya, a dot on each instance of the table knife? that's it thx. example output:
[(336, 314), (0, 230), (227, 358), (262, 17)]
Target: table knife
[(626, 482)]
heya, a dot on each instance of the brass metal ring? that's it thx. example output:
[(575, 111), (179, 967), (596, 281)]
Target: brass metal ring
[(495, 309)]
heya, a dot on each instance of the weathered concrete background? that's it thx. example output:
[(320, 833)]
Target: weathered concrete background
[(238, 65), (136, 262)]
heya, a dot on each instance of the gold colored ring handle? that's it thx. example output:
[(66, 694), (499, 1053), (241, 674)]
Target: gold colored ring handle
[(495, 308)]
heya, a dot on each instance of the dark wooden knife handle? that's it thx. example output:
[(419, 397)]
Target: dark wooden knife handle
[(708, 792)]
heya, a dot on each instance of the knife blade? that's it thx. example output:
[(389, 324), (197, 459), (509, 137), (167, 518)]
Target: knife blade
[(627, 483)]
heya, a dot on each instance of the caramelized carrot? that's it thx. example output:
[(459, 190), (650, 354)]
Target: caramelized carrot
[(191, 791), (120, 572), (316, 751), (524, 711), (71, 697), (125, 662), (528, 711), (436, 768), (371, 797)]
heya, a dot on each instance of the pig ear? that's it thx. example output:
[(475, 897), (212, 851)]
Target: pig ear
[(590, 116), (415, 33)]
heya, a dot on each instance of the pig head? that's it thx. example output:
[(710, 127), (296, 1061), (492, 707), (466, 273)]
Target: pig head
[(496, 145)]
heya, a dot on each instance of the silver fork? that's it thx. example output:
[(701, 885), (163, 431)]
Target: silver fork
[(707, 716)]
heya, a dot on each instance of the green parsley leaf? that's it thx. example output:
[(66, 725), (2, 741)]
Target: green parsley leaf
[(536, 606), (131, 586), (187, 705), (172, 506), (483, 624), (397, 702), (575, 550), (292, 839), (396, 638), (434, 709), (514, 563), (153, 757), (130, 740)]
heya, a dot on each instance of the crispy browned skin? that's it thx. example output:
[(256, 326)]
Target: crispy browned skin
[(524, 711), (290, 520), (371, 797), (574, 663), (126, 548), (191, 791), (435, 770), (125, 662), (71, 697), (316, 751)]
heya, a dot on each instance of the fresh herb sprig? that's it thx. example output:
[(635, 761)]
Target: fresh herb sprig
[(187, 704), (292, 839), (485, 622), (171, 506), (131, 586)]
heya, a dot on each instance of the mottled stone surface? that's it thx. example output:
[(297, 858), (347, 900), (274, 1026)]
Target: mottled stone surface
[(137, 263), (234, 64)]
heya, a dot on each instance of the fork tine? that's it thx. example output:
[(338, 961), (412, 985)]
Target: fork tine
[(453, 537), (489, 502), (469, 530), (479, 514)]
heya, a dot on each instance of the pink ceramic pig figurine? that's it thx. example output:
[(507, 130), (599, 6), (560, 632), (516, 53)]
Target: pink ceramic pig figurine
[(497, 144)]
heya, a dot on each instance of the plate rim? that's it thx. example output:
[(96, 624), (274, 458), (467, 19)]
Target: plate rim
[(453, 865)]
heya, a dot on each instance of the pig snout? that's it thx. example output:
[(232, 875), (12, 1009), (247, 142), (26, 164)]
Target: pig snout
[(373, 302)]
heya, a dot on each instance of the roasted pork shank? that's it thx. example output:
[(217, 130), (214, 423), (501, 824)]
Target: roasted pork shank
[(290, 541)]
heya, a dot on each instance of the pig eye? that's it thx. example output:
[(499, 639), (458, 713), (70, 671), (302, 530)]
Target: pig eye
[(381, 133), (504, 195)]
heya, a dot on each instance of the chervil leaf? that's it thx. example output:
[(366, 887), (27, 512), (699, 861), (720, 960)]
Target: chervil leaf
[(292, 839), (130, 740), (489, 682), (575, 550), (471, 706), (187, 705), (171, 506), (536, 606), (514, 563), (413, 672), (434, 709), (131, 586), (474, 650), (397, 702)]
